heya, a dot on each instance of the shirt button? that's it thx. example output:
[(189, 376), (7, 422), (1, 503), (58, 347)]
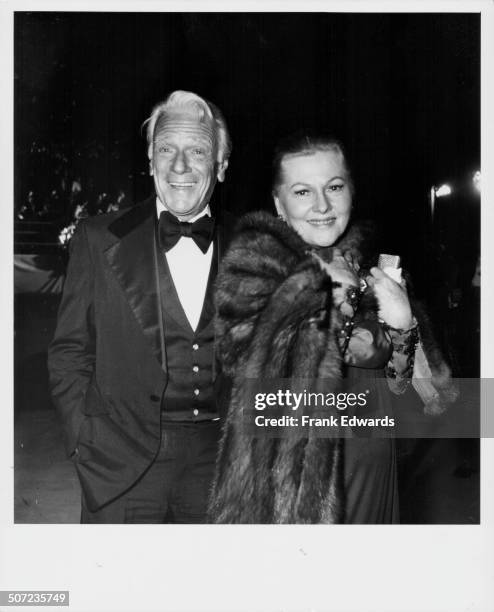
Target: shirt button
[(195, 347), (196, 391), (195, 369), (195, 411)]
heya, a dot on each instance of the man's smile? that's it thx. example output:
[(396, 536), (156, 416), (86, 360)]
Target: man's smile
[(181, 185)]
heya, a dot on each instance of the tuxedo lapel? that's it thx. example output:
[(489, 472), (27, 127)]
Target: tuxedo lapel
[(207, 312), (223, 235), (221, 240), (133, 261)]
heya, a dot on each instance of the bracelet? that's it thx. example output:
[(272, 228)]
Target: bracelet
[(398, 330)]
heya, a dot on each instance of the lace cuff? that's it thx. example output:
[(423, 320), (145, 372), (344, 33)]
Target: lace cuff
[(399, 369)]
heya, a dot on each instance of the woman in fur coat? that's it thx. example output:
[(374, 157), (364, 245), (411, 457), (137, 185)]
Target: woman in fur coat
[(297, 299)]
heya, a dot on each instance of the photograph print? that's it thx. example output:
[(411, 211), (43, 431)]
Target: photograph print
[(247, 268)]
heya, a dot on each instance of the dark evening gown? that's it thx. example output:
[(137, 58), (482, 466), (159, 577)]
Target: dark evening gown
[(370, 467)]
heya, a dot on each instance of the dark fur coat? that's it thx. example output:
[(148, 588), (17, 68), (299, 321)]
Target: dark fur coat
[(276, 320)]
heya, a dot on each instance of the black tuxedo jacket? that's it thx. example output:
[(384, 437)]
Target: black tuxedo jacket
[(105, 366)]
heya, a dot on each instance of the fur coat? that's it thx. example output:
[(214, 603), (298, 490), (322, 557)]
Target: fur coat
[(275, 319)]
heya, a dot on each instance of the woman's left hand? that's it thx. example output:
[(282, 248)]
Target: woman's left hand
[(392, 297)]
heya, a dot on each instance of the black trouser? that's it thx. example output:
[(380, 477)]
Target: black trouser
[(176, 486)]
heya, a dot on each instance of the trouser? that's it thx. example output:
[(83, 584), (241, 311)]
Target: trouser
[(176, 487)]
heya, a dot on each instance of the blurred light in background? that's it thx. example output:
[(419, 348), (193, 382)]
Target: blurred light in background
[(476, 180), (444, 190)]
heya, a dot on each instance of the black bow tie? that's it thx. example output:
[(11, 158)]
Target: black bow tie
[(170, 230)]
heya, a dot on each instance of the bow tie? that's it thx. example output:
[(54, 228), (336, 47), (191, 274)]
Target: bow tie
[(170, 230)]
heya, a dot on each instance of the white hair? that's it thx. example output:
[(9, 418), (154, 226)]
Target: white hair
[(206, 112)]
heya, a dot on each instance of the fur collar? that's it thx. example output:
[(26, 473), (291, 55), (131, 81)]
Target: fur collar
[(359, 238)]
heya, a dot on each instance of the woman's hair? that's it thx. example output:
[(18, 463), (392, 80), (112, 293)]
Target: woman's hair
[(305, 142), (206, 112)]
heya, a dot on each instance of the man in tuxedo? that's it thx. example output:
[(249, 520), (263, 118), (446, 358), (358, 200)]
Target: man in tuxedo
[(132, 362)]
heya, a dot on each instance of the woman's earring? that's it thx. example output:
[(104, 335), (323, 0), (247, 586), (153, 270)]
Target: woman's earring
[(282, 218)]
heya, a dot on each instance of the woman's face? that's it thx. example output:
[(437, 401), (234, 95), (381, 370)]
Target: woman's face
[(314, 196)]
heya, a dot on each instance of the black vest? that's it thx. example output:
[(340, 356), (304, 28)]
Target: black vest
[(189, 353)]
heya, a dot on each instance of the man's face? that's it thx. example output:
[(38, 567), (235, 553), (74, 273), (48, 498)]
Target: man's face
[(183, 163)]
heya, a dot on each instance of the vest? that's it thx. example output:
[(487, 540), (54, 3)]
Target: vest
[(189, 354)]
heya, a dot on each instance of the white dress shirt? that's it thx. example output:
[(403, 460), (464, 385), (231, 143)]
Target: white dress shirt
[(189, 268)]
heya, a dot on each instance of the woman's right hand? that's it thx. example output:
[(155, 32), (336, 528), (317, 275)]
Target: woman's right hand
[(343, 271)]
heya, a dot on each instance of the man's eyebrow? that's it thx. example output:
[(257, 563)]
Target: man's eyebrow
[(194, 139), (201, 139)]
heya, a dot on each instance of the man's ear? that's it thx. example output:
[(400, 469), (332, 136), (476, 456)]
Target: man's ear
[(221, 170), (150, 157)]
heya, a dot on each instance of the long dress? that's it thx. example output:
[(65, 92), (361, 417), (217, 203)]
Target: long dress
[(370, 469), (370, 466)]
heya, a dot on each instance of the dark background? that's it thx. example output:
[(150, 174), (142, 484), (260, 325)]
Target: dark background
[(401, 90)]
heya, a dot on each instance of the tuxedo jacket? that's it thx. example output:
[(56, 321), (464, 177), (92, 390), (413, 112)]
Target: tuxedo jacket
[(105, 361)]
